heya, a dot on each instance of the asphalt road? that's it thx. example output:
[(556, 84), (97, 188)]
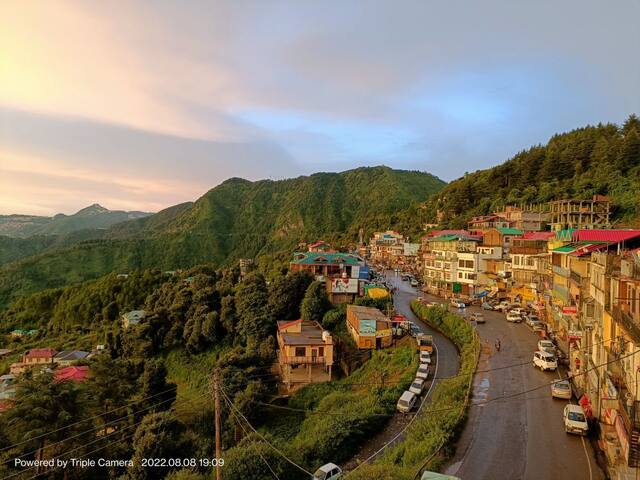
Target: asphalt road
[(521, 437)]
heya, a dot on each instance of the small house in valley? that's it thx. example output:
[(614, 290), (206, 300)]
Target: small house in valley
[(132, 318)]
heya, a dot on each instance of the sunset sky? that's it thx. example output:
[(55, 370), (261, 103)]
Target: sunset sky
[(141, 105)]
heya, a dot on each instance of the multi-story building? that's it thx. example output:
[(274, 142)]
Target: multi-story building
[(530, 218), (487, 222), (384, 245), (529, 260), (305, 353), (580, 214)]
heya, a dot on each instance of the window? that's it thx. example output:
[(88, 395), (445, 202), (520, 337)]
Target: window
[(301, 351), (321, 351)]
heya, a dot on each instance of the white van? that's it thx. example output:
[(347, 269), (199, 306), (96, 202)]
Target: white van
[(423, 371), (545, 361), (406, 402), (575, 420), (425, 357), (330, 471), (417, 386)]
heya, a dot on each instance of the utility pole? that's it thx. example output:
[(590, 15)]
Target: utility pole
[(216, 400)]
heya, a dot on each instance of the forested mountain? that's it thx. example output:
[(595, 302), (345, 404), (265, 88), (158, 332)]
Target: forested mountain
[(602, 159), (91, 217), (234, 220)]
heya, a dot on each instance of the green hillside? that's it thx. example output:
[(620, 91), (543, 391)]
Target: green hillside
[(236, 219), (602, 159)]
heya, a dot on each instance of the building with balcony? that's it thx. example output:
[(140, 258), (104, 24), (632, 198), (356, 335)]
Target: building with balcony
[(580, 214), (305, 353), (529, 218)]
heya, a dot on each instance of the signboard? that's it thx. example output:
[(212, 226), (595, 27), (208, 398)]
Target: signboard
[(574, 335), (571, 310), (344, 285), (367, 328), (383, 333)]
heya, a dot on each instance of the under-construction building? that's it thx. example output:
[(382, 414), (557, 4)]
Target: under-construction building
[(580, 214)]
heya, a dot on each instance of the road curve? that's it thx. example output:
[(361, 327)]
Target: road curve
[(522, 437)]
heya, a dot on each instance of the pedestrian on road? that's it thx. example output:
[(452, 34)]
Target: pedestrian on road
[(498, 344)]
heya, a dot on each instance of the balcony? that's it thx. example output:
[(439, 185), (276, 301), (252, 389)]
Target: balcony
[(631, 325), (563, 272), (520, 250), (287, 360)]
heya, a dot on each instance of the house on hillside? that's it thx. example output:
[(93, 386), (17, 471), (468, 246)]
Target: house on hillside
[(19, 333), (369, 327), (72, 374), (132, 318), (36, 358), (4, 352), (305, 353), (67, 357)]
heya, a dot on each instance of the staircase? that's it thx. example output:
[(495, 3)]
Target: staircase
[(634, 438)]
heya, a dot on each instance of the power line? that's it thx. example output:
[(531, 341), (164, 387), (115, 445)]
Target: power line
[(247, 433), (224, 394), (85, 420)]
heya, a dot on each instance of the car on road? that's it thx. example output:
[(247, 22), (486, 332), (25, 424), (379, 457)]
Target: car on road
[(531, 319), (561, 389), (423, 371), (487, 306), (546, 346), (330, 471), (477, 317), (545, 361), (502, 306), (538, 327), (414, 330), (417, 386), (406, 402), (513, 317), (414, 282), (425, 357), (457, 303), (575, 420), (517, 309)]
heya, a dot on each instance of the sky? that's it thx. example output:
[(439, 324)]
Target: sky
[(141, 105)]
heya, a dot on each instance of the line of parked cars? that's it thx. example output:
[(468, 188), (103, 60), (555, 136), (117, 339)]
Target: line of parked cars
[(409, 397)]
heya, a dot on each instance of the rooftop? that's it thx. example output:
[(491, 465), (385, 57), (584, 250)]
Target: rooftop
[(73, 374), (509, 231), (41, 353), (71, 355), (615, 236), (325, 258), (310, 333)]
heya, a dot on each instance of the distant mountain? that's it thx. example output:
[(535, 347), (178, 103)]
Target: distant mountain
[(92, 217), (236, 219)]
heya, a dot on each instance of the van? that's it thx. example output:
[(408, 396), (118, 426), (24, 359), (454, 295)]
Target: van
[(545, 361), (423, 371), (406, 402)]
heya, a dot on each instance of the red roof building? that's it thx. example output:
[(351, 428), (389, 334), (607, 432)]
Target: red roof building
[(538, 235), (41, 353), (615, 236), (72, 374)]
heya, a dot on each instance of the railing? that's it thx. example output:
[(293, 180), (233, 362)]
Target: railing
[(628, 323), (525, 250), (563, 272), (284, 359)]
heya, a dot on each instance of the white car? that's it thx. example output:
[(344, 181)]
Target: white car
[(414, 282), (513, 317), (423, 371), (520, 311), (546, 346), (425, 357), (545, 361), (406, 402), (477, 317), (561, 389), (502, 306), (457, 303), (330, 471), (417, 386), (575, 420)]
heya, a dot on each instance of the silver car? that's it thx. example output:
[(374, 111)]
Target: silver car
[(561, 389)]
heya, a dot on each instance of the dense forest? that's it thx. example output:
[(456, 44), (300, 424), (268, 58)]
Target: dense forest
[(602, 159), (237, 219), (149, 392)]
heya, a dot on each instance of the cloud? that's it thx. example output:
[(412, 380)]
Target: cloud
[(183, 95)]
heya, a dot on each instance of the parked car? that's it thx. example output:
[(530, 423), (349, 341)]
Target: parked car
[(513, 317), (546, 346), (417, 386), (516, 309), (538, 327), (487, 306), (414, 330), (477, 317), (406, 402), (502, 306), (561, 389), (575, 420), (425, 357), (530, 319), (330, 471), (414, 283), (545, 361), (423, 371), (405, 277), (457, 303)]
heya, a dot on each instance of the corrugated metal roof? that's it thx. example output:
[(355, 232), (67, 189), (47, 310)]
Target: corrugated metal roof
[(538, 235), (615, 236), (509, 231), (320, 258)]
